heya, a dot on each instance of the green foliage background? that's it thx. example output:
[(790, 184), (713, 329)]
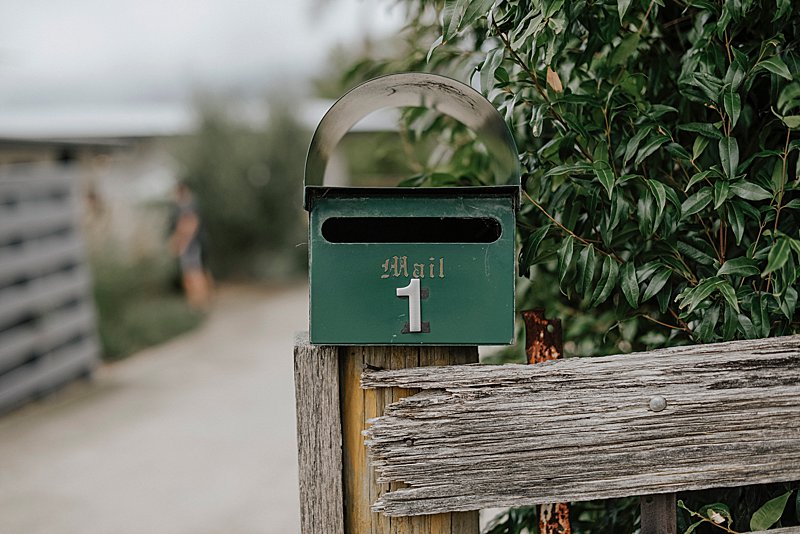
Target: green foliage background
[(660, 144), (246, 183)]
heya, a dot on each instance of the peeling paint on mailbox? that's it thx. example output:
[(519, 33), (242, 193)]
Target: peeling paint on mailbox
[(412, 265)]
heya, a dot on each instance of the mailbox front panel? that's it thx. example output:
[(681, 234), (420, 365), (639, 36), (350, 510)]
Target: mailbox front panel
[(364, 261)]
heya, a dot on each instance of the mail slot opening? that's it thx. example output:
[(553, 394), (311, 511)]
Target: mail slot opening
[(411, 230)]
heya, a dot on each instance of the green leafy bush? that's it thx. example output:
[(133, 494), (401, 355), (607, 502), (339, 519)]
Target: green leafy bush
[(248, 186), (138, 303), (660, 147)]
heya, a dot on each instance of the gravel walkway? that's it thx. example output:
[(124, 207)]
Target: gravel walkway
[(195, 436)]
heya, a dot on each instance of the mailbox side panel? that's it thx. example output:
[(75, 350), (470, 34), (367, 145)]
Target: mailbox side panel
[(467, 289)]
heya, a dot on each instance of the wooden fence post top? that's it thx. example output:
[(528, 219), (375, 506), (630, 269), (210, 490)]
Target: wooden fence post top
[(337, 485)]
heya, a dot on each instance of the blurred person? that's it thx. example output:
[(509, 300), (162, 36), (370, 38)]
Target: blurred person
[(186, 244)]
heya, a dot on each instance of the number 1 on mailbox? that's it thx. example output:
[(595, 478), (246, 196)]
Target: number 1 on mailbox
[(412, 265)]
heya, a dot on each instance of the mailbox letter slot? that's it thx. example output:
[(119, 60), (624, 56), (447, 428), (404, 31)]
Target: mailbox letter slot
[(411, 230)]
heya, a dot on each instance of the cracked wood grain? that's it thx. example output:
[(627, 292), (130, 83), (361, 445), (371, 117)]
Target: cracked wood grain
[(319, 437), (582, 428), (361, 487)]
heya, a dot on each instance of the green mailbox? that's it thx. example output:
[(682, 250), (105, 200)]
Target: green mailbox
[(412, 266)]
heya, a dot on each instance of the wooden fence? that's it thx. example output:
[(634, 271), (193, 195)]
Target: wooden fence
[(480, 436), (47, 323)]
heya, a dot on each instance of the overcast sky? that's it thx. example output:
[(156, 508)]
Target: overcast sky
[(93, 52)]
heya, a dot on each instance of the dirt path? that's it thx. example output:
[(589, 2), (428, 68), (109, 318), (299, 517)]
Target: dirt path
[(195, 436)]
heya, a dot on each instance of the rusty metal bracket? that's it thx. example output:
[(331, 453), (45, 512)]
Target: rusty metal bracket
[(543, 342)]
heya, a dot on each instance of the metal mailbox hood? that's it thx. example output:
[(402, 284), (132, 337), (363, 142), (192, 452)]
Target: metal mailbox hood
[(415, 89)]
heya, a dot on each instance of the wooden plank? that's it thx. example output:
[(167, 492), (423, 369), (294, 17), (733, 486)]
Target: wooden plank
[(25, 182), (659, 514), (19, 344), (589, 428), (33, 259), (35, 219), (47, 373), (43, 295), (319, 438), (359, 407)]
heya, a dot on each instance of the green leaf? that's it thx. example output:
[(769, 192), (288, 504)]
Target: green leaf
[(729, 155), (532, 247), (729, 294), (700, 176), (436, 44), (622, 8), (585, 269), (475, 10), (730, 324), (788, 305), (629, 284), (551, 7), (678, 152), (490, 64), (770, 512), (733, 104), (608, 280), (633, 143), (705, 330), (624, 49), (564, 258), (789, 97), (748, 329), (656, 283), (721, 190), (749, 191), (537, 118), (650, 147), (707, 130), (696, 202), (699, 146), (784, 6), (660, 194), (647, 270), (569, 168), (739, 267), (606, 176), (778, 255), (452, 13), (736, 72), (792, 121), (776, 65), (736, 220), (694, 253), (690, 298), (760, 316)]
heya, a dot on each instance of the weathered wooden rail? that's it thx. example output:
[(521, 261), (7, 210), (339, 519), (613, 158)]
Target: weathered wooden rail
[(479, 436), (589, 428)]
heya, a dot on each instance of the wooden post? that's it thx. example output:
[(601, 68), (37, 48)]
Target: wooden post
[(319, 437), (359, 406), (543, 342), (659, 514)]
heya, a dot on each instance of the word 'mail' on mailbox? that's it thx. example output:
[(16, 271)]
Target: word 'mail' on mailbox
[(411, 266)]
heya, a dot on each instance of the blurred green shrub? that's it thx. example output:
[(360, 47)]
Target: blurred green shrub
[(248, 187), (139, 303)]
